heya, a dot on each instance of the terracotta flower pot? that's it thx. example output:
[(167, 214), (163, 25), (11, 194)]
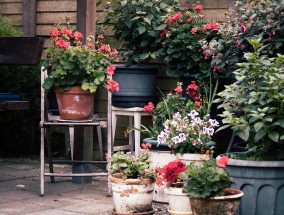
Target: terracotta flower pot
[(75, 104), (225, 205), (132, 196)]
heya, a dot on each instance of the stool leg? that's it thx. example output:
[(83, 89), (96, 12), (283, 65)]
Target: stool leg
[(49, 155), (113, 126), (137, 124), (99, 132), (131, 136), (71, 141)]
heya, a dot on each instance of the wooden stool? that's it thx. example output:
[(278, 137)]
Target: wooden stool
[(136, 113)]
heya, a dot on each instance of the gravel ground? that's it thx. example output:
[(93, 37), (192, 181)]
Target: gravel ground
[(160, 209)]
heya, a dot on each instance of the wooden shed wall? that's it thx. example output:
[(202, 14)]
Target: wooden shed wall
[(49, 12)]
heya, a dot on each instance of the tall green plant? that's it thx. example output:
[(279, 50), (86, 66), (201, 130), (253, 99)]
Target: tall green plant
[(254, 104)]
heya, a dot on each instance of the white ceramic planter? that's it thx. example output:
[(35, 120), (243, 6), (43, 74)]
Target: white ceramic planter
[(188, 158), (158, 160), (132, 195), (178, 202)]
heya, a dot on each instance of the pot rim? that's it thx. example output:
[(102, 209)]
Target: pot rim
[(132, 181), (234, 194)]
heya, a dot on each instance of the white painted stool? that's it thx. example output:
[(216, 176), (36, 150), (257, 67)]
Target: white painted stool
[(136, 113)]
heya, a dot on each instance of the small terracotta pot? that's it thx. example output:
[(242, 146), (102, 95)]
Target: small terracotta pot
[(75, 104)]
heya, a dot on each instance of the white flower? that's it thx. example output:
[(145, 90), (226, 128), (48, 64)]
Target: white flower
[(193, 113), (213, 122)]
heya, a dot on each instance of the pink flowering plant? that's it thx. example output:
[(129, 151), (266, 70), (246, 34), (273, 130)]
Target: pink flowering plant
[(181, 49), (184, 123), (70, 63)]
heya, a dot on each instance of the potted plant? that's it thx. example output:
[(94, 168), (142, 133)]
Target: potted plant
[(136, 25), (165, 112), (207, 188), (76, 68), (132, 181), (186, 31), (253, 108), (169, 176)]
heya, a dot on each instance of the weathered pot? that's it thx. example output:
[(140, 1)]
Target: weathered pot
[(188, 158), (178, 202), (160, 156), (219, 205), (132, 195), (75, 104), (262, 183)]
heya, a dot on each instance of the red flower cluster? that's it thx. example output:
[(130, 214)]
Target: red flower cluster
[(149, 108), (192, 91), (211, 26), (171, 171), (222, 162), (198, 8), (112, 86), (174, 18), (178, 89), (62, 37)]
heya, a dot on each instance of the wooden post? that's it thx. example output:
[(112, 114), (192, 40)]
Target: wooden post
[(86, 17), (29, 17)]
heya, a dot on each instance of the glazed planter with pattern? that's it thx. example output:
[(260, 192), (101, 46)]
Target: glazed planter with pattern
[(262, 183), (75, 104), (178, 202), (219, 205), (132, 196)]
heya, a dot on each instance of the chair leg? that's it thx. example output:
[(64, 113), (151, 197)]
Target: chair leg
[(42, 162), (49, 155)]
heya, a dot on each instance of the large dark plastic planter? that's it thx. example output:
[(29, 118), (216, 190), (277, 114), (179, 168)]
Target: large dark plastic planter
[(137, 85), (262, 183)]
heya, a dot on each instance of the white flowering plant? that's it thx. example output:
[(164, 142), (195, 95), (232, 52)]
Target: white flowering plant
[(190, 133)]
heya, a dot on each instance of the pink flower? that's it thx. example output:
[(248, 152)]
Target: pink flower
[(146, 146), (66, 31), (163, 34), (54, 32), (91, 45), (244, 28), (188, 20), (149, 108), (178, 89), (222, 162), (215, 68), (198, 8), (110, 69), (104, 48), (63, 44), (210, 26), (107, 157), (112, 86), (194, 30), (78, 35), (100, 36), (174, 18)]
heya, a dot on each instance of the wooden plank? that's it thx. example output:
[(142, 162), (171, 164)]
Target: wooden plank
[(54, 18), (20, 50), (29, 17), (16, 20), (43, 6), (15, 8)]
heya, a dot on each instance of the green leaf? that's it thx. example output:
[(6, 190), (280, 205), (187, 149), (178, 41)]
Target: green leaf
[(258, 126), (244, 134), (141, 29), (147, 20), (274, 136), (259, 135)]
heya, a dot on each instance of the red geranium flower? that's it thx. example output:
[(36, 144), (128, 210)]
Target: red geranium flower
[(149, 108), (222, 162)]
